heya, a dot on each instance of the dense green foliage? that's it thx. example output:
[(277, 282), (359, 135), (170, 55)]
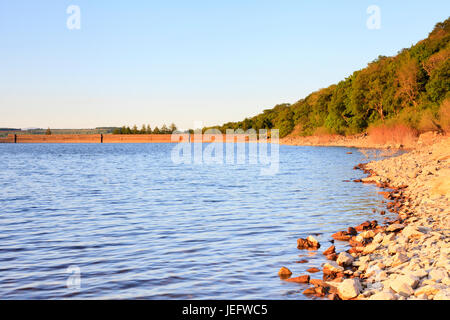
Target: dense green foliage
[(402, 88)]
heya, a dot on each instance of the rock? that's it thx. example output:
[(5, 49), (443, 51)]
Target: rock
[(395, 227), (333, 296), (341, 235), (442, 294), (317, 282), (388, 239), (313, 241), (401, 287), (330, 250), (332, 267), (310, 291), (284, 273), (419, 273), (410, 280), (367, 234), (437, 274), (344, 259), (399, 259), (321, 291), (363, 226), (427, 289), (383, 296), (332, 256), (300, 279), (308, 243), (349, 289), (411, 232), (352, 231), (371, 248), (378, 238), (313, 270)]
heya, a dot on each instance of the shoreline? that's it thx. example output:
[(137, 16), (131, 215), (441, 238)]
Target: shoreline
[(407, 258)]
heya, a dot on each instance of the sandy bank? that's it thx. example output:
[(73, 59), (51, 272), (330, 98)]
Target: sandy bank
[(362, 141)]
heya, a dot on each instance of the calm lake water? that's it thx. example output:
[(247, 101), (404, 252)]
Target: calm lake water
[(138, 226)]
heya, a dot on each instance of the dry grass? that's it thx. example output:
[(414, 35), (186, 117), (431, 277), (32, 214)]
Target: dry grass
[(444, 115), (392, 134)]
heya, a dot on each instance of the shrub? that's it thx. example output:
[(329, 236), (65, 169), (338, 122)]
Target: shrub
[(392, 134)]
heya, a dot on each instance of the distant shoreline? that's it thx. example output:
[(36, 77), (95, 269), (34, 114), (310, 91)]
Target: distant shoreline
[(360, 141)]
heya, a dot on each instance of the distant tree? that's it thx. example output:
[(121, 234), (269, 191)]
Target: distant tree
[(172, 128), (48, 132), (148, 130), (143, 129), (117, 131), (128, 130), (164, 129), (156, 131), (134, 130)]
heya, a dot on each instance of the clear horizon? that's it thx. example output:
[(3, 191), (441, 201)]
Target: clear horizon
[(143, 62)]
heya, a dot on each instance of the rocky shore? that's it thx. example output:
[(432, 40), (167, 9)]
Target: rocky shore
[(402, 259)]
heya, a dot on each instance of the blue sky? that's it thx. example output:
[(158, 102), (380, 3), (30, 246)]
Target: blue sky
[(156, 62)]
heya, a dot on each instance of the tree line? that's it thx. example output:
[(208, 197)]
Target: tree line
[(411, 88), (146, 129)]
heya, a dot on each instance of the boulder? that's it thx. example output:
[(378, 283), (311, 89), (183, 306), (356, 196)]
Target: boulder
[(332, 267), (410, 280), (349, 289), (401, 287), (344, 259)]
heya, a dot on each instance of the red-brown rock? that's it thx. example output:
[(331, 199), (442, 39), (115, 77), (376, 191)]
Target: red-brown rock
[(341, 235), (300, 279), (313, 270), (308, 243), (352, 231), (330, 250)]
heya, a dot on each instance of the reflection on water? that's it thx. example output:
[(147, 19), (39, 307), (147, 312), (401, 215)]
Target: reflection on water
[(138, 226)]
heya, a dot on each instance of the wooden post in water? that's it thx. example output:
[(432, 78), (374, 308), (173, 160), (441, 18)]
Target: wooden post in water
[(15, 138), (101, 137)]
